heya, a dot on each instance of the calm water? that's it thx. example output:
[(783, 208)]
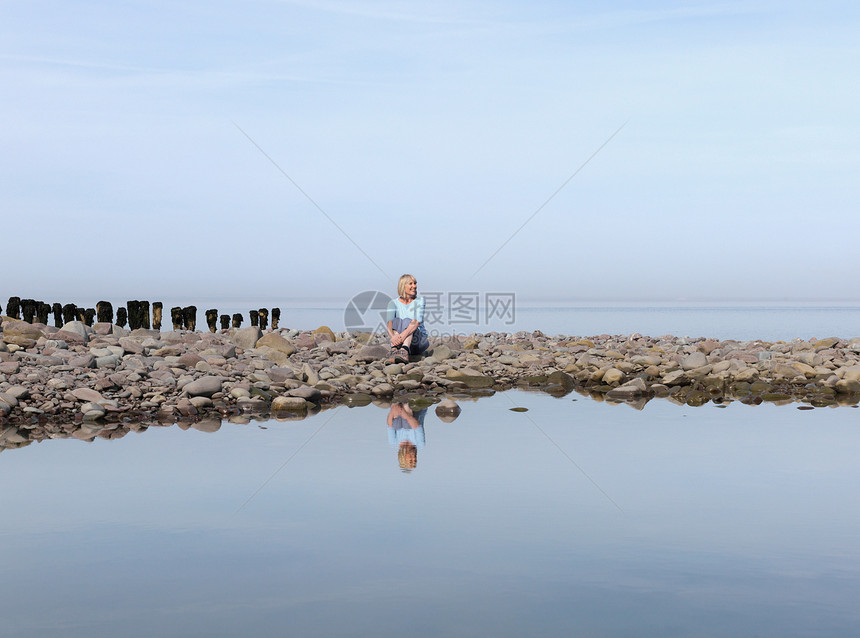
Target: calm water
[(574, 518)]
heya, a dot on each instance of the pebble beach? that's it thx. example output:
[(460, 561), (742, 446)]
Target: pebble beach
[(81, 381)]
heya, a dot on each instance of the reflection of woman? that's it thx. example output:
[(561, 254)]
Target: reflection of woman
[(405, 316), (406, 431)]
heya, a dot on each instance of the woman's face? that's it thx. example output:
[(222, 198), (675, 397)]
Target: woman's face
[(411, 288)]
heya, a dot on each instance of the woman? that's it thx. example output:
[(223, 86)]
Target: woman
[(405, 316)]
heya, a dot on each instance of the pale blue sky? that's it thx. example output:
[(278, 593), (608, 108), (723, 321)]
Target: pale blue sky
[(429, 133)]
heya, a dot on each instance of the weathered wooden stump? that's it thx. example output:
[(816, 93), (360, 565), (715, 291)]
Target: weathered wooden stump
[(276, 317), (13, 308), (133, 306), (57, 309), (28, 310), (189, 316), (237, 320), (212, 319), (81, 314), (144, 314), (121, 317), (255, 318), (176, 317), (70, 313), (264, 318), (104, 312), (157, 307), (42, 312), (89, 316), (225, 322)]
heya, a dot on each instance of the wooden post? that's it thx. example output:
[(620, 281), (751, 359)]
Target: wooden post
[(28, 309), (133, 314), (225, 322), (189, 314), (104, 312), (89, 316), (255, 318), (70, 313), (144, 314), (264, 318), (42, 312), (121, 317), (157, 307), (176, 317), (57, 309), (13, 308), (276, 317), (212, 319), (237, 320)]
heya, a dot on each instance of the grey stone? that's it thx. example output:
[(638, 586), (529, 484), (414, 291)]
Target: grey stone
[(368, 354), (306, 392), (246, 338), (77, 327), (205, 387), (694, 360)]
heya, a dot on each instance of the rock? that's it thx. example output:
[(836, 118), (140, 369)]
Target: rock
[(276, 342), (612, 376), (77, 327), (383, 390), (369, 354), (8, 399), (447, 410), (9, 367), (88, 395), (442, 353), (305, 392), (325, 331), (279, 375), (289, 404), (694, 360), (246, 338), (275, 356), (203, 387), (845, 386), (83, 361), (13, 328)]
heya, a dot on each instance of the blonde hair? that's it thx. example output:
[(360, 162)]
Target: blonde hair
[(401, 285), (407, 457)]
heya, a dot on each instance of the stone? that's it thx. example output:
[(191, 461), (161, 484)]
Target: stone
[(83, 361), (325, 331), (442, 353), (12, 328), (369, 354), (203, 387), (276, 342), (289, 404), (246, 338), (694, 360), (447, 410), (77, 327), (612, 376), (305, 392), (9, 367), (88, 395)]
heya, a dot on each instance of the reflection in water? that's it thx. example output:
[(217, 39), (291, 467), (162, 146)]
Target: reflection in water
[(406, 432)]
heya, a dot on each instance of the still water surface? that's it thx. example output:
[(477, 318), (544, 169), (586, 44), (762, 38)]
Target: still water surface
[(574, 518)]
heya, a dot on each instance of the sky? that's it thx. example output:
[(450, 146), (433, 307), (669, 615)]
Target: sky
[(556, 150)]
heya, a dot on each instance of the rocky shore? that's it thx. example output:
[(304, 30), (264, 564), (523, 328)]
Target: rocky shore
[(85, 381)]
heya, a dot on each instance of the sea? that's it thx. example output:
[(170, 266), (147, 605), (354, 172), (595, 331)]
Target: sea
[(569, 516)]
